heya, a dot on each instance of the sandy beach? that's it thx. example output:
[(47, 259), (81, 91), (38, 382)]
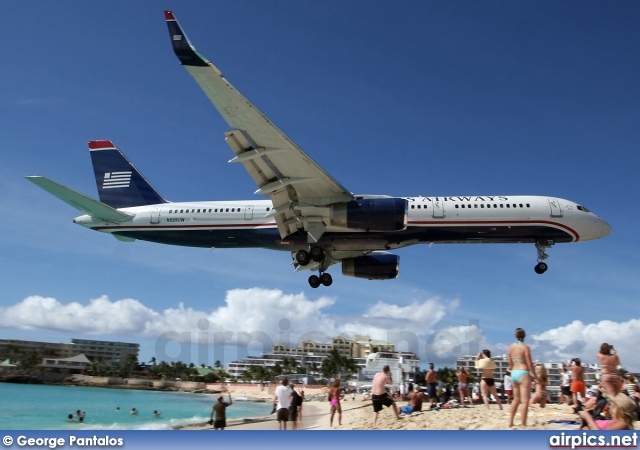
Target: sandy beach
[(357, 415)]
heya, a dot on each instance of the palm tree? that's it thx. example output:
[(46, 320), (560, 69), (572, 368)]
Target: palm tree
[(335, 364), (290, 365)]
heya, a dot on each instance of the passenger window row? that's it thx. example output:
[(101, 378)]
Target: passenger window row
[(204, 210), (496, 205), (482, 205)]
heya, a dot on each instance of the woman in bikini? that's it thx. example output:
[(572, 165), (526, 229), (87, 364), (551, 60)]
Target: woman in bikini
[(334, 397), (541, 395), (522, 371), (487, 383), (609, 375), (463, 386)]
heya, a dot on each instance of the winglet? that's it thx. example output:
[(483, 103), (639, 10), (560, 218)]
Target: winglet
[(183, 49)]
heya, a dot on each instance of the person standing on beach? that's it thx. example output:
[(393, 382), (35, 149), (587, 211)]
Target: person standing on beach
[(522, 371), (335, 395), (296, 401), (283, 401), (463, 385), (432, 385), (379, 396), (487, 382), (220, 411), (507, 385), (609, 375), (565, 387), (300, 405), (577, 379)]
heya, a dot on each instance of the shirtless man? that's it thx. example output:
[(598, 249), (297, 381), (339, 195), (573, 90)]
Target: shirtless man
[(379, 397), (577, 379), (431, 378), (416, 398), (609, 375)]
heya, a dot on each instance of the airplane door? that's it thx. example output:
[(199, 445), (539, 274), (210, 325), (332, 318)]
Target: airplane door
[(248, 212), (556, 209), (438, 208), (155, 215)]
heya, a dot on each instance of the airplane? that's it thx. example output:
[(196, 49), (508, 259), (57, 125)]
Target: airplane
[(307, 212)]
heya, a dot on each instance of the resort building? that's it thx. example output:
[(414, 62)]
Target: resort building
[(111, 354), (309, 355), (75, 364)]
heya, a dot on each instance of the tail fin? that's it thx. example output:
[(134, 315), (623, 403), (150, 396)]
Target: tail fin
[(120, 185)]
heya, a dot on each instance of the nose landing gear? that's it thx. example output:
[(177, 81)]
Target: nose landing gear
[(542, 267)]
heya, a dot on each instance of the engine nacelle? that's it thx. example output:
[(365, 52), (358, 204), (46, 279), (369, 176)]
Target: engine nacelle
[(376, 266), (373, 214)]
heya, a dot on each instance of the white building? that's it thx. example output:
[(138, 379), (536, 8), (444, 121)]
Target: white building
[(309, 355), (402, 365)]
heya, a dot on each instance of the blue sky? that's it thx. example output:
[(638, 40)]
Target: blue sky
[(404, 98)]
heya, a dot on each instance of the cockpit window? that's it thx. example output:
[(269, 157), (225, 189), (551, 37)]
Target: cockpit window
[(582, 208)]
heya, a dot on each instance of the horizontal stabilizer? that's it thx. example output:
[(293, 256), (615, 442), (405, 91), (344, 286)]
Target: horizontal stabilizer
[(80, 201)]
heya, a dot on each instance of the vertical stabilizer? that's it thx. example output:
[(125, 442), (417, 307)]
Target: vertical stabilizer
[(120, 185)]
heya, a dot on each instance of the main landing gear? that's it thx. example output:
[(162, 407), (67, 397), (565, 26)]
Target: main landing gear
[(316, 254), (542, 267)]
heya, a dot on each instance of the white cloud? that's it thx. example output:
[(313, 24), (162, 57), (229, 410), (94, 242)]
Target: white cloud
[(98, 316), (583, 341), (246, 312), (420, 318), (272, 316)]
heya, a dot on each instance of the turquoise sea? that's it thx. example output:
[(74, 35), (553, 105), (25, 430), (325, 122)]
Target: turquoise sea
[(46, 407)]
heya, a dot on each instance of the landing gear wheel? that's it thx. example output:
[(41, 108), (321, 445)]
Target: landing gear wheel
[(317, 254), (302, 257), (541, 268), (326, 279), (314, 281)]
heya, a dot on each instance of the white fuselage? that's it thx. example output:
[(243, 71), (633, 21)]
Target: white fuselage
[(452, 219)]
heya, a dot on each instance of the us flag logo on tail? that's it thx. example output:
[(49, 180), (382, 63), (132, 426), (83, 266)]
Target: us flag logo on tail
[(116, 180)]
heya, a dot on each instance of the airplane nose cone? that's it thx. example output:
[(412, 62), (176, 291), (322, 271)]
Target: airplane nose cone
[(606, 229)]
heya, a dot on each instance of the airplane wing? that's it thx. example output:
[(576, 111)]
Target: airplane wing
[(300, 190)]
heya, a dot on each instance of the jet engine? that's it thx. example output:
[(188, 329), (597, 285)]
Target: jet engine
[(372, 214), (375, 266)]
